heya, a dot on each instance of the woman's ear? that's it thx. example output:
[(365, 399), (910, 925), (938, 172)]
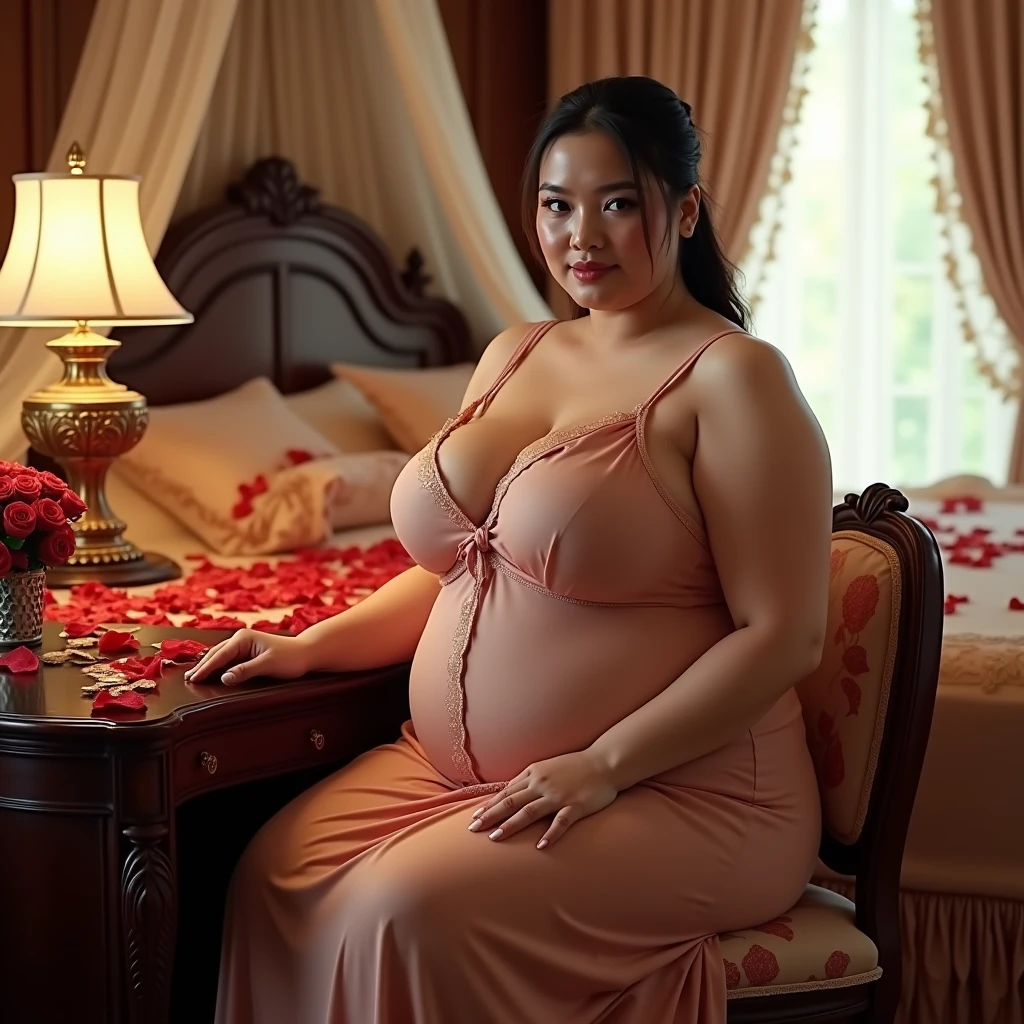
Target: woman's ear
[(689, 211)]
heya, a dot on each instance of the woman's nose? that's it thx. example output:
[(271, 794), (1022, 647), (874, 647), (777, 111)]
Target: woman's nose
[(586, 232)]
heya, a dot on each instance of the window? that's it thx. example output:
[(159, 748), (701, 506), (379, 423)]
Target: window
[(857, 298)]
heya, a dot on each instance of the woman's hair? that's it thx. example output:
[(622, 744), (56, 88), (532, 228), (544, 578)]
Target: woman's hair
[(654, 128)]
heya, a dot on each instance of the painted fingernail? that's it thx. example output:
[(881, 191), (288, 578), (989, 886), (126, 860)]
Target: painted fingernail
[(478, 812), (476, 826), (228, 678), (542, 844), (496, 834)]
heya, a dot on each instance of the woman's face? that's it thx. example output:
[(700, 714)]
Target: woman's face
[(589, 226)]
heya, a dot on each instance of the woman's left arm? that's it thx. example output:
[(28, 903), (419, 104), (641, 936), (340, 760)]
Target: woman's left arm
[(763, 478)]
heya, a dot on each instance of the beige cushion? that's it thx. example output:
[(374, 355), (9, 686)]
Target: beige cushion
[(413, 404), (360, 487), (340, 412), (194, 457), (816, 945), (845, 700)]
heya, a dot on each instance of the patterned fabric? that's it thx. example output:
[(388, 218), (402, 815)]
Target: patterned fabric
[(846, 698), (815, 945)]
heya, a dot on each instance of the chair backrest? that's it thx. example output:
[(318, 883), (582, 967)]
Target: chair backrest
[(868, 706)]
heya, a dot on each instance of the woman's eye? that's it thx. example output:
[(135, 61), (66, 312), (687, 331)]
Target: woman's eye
[(553, 204), (619, 204)]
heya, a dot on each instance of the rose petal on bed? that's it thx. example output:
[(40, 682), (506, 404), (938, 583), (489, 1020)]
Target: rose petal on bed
[(117, 640), (128, 701), (19, 661)]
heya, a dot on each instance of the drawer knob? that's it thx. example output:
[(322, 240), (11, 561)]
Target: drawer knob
[(316, 738), (208, 761)]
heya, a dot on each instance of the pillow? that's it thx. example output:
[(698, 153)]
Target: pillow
[(341, 413), (196, 459), (358, 486), (414, 404)]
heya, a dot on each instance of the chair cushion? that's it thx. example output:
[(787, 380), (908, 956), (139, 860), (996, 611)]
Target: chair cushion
[(846, 698), (816, 945)]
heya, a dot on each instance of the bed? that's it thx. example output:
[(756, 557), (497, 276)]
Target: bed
[(282, 286)]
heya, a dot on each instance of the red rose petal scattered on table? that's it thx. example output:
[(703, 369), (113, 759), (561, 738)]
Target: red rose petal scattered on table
[(1016, 604), (155, 668), (114, 640), (130, 701), (19, 661), (76, 630), (182, 650)]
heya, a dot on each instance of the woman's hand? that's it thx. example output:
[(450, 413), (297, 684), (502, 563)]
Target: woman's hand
[(570, 786), (252, 654)]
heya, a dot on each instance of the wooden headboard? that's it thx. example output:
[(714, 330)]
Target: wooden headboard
[(281, 286)]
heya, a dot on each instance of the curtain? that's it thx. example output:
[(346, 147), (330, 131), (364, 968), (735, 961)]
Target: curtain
[(363, 98), (133, 111), (977, 53), (732, 61)]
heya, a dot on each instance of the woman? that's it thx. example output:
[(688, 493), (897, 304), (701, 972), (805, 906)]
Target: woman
[(622, 546)]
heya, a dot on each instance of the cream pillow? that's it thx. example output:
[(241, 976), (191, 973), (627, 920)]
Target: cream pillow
[(340, 412), (413, 404), (196, 459)]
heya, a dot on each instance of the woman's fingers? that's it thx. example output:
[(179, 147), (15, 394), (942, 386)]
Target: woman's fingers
[(507, 805), (530, 812), (485, 812), (246, 670), (559, 826), (223, 654)]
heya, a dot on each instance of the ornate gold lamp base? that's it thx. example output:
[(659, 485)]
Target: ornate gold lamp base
[(84, 422)]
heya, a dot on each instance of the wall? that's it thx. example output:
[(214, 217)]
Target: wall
[(42, 41)]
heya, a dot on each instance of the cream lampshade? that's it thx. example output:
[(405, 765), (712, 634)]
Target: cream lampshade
[(78, 257)]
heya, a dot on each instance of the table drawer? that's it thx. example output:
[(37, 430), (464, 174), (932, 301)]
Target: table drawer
[(222, 757)]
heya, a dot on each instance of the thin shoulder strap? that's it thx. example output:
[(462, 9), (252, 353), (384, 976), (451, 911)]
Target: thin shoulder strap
[(685, 365), (522, 351)]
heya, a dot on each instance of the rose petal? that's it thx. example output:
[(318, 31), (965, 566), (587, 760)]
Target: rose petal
[(114, 640), (1016, 604), (154, 669), (129, 701), (179, 650), (75, 630), (19, 661)]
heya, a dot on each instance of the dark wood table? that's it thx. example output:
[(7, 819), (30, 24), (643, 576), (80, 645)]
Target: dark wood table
[(89, 840)]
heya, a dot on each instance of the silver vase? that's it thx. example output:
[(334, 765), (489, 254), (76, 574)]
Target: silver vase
[(21, 608)]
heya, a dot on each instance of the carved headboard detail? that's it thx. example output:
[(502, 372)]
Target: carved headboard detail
[(281, 285)]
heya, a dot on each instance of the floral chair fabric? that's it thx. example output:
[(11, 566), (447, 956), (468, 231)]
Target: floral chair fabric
[(816, 945), (846, 698)]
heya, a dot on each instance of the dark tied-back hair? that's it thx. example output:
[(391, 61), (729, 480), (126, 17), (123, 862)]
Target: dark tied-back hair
[(656, 132)]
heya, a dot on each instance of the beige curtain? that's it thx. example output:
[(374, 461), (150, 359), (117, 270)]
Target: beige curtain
[(978, 54), (731, 60), (137, 102), (363, 98)]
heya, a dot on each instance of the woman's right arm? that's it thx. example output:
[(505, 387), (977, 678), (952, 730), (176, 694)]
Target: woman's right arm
[(383, 629)]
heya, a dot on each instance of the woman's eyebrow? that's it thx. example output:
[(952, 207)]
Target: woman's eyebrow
[(615, 186)]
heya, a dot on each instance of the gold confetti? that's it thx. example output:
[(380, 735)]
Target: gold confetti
[(145, 685), (91, 691), (55, 657), (116, 691), (82, 641), (80, 656)]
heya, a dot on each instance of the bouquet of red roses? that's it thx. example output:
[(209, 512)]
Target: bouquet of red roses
[(37, 510)]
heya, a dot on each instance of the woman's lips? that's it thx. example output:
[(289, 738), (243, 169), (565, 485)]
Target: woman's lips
[(587, 273)]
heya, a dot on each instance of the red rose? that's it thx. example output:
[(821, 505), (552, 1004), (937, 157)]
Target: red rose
[(27, 487), (53, 486), (74, 507), (49, 515), (57, 546), (5, 559), (6, 488), (19, 519), (9, 468)]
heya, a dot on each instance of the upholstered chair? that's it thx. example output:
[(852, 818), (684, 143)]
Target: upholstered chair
[(868, 710)]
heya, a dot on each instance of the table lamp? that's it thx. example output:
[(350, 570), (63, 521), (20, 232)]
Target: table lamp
[(78, 257)]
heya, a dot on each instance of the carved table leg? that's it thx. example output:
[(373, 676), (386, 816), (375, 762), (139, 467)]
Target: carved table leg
[(149, 915)]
